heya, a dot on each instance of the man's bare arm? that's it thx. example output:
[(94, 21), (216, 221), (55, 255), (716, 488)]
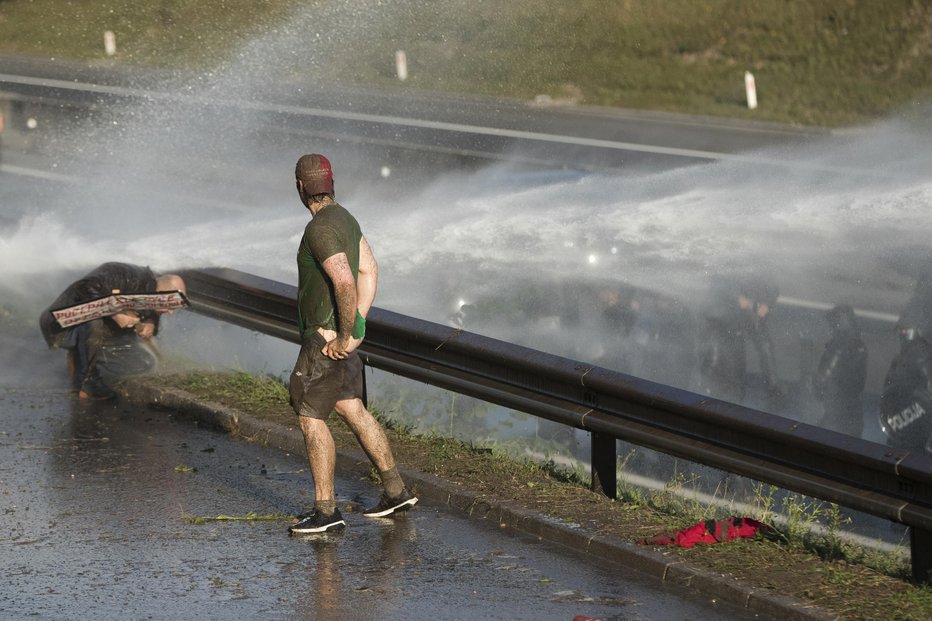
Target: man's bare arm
[(344, 287), (368, 280)]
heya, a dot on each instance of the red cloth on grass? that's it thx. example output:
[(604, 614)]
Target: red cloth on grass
[(710, 531)]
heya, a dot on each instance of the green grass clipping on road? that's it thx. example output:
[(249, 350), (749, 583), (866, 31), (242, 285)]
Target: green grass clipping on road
[(827, 63), (847, 581)]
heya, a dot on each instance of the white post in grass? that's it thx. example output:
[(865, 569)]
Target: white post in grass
[(109, 42), (401, 65), (751, 89)]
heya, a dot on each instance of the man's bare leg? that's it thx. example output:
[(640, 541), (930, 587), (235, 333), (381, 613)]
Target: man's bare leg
[(368, 432), (321, 456), (374, 442)]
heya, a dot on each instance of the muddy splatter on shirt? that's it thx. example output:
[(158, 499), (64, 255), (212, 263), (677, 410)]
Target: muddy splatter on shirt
[(332, 231)]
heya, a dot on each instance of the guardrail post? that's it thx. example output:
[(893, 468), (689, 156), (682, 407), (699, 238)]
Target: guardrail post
[(604, 458), (921, 553)]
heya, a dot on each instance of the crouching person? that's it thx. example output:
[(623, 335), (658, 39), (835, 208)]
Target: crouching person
[(106, 321)]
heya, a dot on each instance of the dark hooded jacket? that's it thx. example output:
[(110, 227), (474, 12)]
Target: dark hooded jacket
[(101, 282), (729, 330), (842, 373)]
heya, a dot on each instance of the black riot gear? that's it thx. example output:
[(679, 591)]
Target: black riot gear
[(738, 319), (842, 373), (906, 403)]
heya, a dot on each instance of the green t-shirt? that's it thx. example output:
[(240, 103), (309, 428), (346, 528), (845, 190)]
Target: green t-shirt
[(332, 231)]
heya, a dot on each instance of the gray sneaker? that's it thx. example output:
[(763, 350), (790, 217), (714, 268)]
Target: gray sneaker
[(402, 502), (317, 522)]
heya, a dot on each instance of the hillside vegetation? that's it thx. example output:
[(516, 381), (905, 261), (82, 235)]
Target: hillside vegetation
[(833, 62)]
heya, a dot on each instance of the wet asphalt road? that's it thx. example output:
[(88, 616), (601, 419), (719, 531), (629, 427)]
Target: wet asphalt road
[(95, 501)]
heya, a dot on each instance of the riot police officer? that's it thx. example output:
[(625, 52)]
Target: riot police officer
[(737, 321), (906, 402), (842, 373)]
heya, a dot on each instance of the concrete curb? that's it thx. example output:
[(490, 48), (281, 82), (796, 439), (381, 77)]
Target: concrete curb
[(437, 491)]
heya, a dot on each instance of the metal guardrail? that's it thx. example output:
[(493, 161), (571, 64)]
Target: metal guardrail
[(890, 483)]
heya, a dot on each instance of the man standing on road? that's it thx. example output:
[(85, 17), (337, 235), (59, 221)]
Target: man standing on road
[(337, 281)]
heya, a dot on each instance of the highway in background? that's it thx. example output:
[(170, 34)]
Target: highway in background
[(549, 135)]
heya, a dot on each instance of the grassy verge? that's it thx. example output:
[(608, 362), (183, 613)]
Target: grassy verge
[(833, 62), (850, 582)]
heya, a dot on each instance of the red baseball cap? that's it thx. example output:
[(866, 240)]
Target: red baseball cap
[(315, 172)]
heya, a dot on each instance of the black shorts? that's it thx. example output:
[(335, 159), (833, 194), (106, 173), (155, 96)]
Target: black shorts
[(317, 382)]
